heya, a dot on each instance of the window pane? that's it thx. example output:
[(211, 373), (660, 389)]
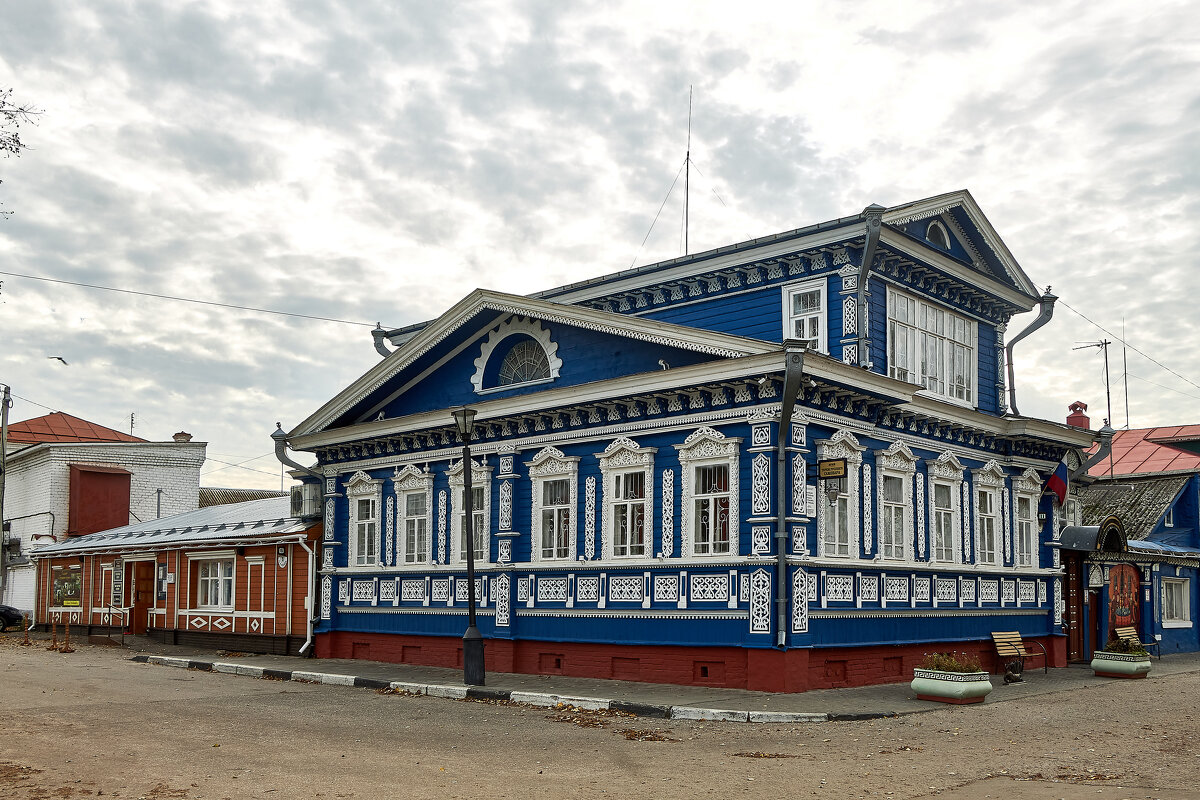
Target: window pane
[(893, 489), (414, 504)]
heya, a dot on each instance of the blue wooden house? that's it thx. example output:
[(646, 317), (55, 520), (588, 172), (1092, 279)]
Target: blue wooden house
[(649, 463)]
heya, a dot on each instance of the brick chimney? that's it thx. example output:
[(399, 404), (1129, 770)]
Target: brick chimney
[(1078, 419), (184, 436)]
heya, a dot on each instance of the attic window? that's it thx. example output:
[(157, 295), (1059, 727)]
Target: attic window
[(517, 353), (937, 236)]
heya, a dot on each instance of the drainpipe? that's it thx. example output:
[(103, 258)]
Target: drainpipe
[(873, 214), (380, 337), (1045, 312), (281, 453), (312, 595), (1105, 437), (793, 369)]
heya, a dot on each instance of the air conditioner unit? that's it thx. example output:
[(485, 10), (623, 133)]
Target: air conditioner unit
[(297, 507), (306, 501)]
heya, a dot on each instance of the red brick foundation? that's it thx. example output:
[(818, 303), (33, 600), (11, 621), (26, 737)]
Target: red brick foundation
[(728, 667)]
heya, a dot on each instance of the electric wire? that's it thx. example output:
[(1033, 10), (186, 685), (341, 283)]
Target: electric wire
[(660, 208), (1131, 347), (191, 299)]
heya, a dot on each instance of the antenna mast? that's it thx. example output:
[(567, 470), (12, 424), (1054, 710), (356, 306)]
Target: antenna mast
[(1125, 373), (1103, 345), (687, 163)]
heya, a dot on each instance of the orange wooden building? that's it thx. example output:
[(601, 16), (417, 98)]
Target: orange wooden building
[(236, 577)]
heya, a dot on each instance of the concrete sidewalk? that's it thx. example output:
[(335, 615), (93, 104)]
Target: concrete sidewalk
[(644, 699)]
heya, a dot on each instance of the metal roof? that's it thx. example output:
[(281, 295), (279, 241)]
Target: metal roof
[(60, 427), (214, 496), (1150, 451), (256, 519)]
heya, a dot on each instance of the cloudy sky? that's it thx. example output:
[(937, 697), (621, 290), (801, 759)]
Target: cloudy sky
[(376, 161)]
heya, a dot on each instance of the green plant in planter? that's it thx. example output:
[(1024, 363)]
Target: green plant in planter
[(1121, 658), (1125, 646), (953, 677)]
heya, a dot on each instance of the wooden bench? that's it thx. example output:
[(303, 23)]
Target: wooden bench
[(1129, 634), (1010, 645)]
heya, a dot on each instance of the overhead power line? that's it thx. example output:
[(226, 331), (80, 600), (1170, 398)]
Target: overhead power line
[(187, 299), (1142, 353)]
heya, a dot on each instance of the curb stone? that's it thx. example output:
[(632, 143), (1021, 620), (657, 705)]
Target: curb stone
[(538, 699)]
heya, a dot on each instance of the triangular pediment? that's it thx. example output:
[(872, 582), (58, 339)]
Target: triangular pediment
[(954, 226), (446, 362)]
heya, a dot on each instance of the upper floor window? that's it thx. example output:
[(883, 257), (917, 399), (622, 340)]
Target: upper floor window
[(363, 493), (1169, 519), (804, 314), (932, 346)]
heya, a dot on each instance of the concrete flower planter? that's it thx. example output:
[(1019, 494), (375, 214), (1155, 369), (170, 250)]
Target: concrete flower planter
[(1120, 665), (959, 688)]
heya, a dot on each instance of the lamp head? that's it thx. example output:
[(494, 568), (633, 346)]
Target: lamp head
[(464, 419)]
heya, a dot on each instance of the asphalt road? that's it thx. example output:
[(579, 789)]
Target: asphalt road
[(93, 723)]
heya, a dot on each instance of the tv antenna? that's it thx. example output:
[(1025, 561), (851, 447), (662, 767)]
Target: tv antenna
[(1103, 345)]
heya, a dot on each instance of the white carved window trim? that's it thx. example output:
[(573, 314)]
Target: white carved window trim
[(1026, 552), (842, 444), (492, 347), (362, 486), (624, 457), (225, 581), (550, 464), (897, 461), (481, 478), (913, 331), (707, 447), (819, 285), (989, 481), (406, 481), (946, 470)]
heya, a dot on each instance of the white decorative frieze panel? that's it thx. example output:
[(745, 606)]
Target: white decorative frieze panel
[(743, 588), (799, 540), (442, 526), (799, 483), (506, 505), (1006, 524), (839, 588), (989, 591), (504, 551), (800, 601), (344, 592), (849, 354), (500, 598), (668, 513), (1059, 608), (364, 591), (760, 540), (1026, 591), (506, 465), (387, 591), (849, 316), (868, 588), (412, 589), (551, 590), (966, 590), (327, 533), (626, 588), (868, 527), (522, 590), (946, 590), (389, 536), (1041, 593), (326, 597), (709, 588), (760, 601), (587, 589), (589, 517), (921, 589), (666, 588), (440, 590), (895, 588), (760, 436), (967, 525), (327, 558), (760, 484), (1008, 591)]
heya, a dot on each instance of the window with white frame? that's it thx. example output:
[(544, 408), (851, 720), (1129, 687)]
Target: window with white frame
[(481, 513), (1176, 602), (363, 494), (1169, 517), (414, 501), (214, 584), (986, 525), (893, 511), (415, 508), (553, 478), (943, 522), (709, 522), (1025, 530), (932, 346), (627, 469), (839, 524), (804, 314), (838, 527)]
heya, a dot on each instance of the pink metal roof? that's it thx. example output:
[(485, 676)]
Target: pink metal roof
[(60, 427), (1144, 451)]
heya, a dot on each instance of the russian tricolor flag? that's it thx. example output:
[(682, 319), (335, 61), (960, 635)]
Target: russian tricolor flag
[(1057, 483)]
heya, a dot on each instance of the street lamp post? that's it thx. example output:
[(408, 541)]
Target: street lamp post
[(473, 672)]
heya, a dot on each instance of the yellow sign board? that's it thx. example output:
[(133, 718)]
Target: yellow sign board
[(831, 468)]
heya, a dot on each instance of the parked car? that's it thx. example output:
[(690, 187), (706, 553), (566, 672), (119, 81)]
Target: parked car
[(10, 618)]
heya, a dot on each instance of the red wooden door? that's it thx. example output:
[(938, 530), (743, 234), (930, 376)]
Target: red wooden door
[(142, 594)]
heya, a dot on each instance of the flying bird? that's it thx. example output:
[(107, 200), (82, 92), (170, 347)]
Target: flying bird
[(58, 358)]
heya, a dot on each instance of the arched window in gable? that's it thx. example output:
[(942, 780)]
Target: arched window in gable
[(517, 352), (937, 236)]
